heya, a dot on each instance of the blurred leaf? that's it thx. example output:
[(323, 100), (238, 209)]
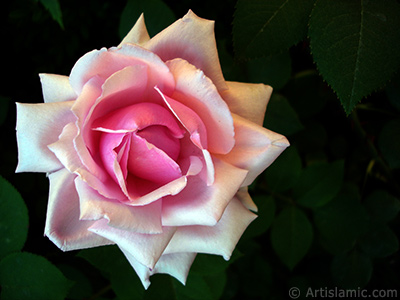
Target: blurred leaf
[(112, 262), (201, 287), (381, 206), (274, 70), (351, 270), (319, 183), (306, 93), (82, 288), (355, 45), (29, 276), (291, 235), (381, 241), (156, 13), (162, 288), (262, 28), (280, 116), (266, 214), (285, 171), (13, 219), (389, 143), (341, 222), (53, 6), (4, 104)]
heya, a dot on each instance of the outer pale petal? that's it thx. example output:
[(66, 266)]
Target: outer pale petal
[(248, 100), (197, 92), (220, 239), (56, 88), (105, 62), (146, 248), (244, 197), (190, 38), (141, 219), (63, 226), (176, 265), (199, 204), (138, 34), (255, 149), (39, 125)]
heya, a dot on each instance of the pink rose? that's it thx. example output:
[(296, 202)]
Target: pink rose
[(148, 147)]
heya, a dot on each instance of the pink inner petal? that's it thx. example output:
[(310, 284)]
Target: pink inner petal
[(161, 137), (109, 142), (137, 117), (149, 162), (189, 119)]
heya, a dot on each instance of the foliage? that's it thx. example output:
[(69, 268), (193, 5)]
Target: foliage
[(328, 206)]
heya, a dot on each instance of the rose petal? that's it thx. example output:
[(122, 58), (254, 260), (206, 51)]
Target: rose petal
[(199, 204), (146, 248), (138, 117), (220, 239), (140, 219), (56, 88), (244, 197), (162, 138), (148, 162), (144, 197), (63, 226), (39, 125), (248, 100), (176, 265), (138, 34), (255, 149), (197, 92), (66, 152), (105, 62), (190, 38), (189, 120)]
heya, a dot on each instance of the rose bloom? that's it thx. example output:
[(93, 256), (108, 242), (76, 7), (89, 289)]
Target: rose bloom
[(147, 146)]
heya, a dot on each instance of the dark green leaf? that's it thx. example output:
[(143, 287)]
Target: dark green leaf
[(319, 183), (381, 206), (381, 241), (156, 13), (266, 214), (355, 45), (341, 222), (291, 236), (162, 288), (13, 219), (201, 287), (29, 276), (53, 6), (82, 288), (111, 261), (280, 116), (285, 171), (389, 143), (262, 28), (274, 70), (351, 270)]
